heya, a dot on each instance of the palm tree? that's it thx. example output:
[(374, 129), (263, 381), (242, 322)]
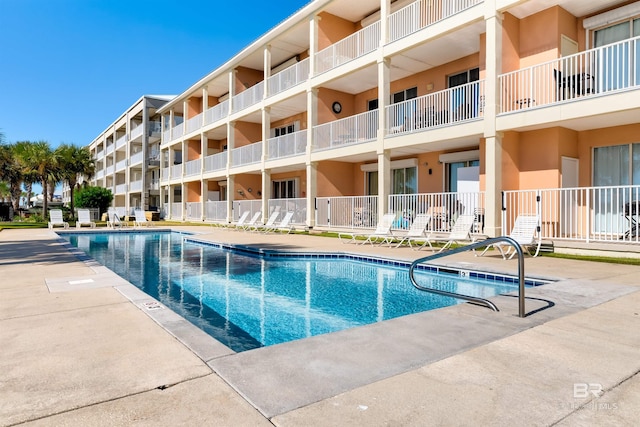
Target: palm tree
[(73, 162), (40, 161), (11, 173), (21, 150)]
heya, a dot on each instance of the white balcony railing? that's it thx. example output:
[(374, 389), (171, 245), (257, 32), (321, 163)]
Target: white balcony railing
[(443, 207), (135, 186), (347, 212), (121, 142), (249, 97), (291, 144), (154, 184), (177, 131), (215, 211), (136, 158), (447, 107), (611, 68), (137, 132), (99, 154), (176, 171), (588, 214), (121, 165), (298, 206), (176, 210), (110, 149), (348, 131), (193, 167), (215, 162), (100, 174), (164, 174), (166, 136), (193, 211), (217, 112), (194, 123), (110, 170), (288, 78), (354, 46), (239, 206), (121, 188), (419, 15), (247, 155)]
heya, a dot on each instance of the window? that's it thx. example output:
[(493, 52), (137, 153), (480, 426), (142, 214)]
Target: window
[(451, 170), (404, 95), (285, 189), (283, 130), (614, 61), (372, 104), (403, 181), (464, 101), (616, 165)]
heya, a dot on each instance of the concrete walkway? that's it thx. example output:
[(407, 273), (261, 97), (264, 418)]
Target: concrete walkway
[(80, 346)]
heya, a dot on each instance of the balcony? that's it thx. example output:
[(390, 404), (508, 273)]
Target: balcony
[(249, 97), (166, 135), (110, 170), (288, 77), (176, 131), (215, 162), (176, 171), (348, 131), (110, 149), (121, 188), (121, 142), (291, 144), (451, 106), (164, 174), (594, 72), (193, 211), (136, 158), (217, 112), (194, 123), (215, 211), (154, 128), (121, 165), (354, 46), (154, 184), (100, 174), (99, 154), (247, 155), (418, 15), (193, 167), (135, 186), (137, 132)]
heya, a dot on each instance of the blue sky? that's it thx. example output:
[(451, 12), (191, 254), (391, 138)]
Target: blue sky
[(68, 68)]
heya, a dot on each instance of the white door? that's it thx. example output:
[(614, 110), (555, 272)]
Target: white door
[(569, 198)]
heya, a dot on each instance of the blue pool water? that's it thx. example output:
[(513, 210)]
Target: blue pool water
[(246, 301)]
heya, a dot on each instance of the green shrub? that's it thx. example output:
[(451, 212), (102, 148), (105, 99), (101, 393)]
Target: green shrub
[(93, 197)]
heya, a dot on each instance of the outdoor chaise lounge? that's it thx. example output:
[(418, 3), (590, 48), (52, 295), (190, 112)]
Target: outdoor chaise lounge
[(84, 218), (141, 219), (460, 233), (114, 220), (382, 233), (248, 225), (55, 219), (269, 225), (524, 232), (417, 230), (284, 225)]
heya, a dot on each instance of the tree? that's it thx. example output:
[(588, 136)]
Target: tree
[(74, 162), (94, 197), (11, 173), (21, 150), (40, 160)]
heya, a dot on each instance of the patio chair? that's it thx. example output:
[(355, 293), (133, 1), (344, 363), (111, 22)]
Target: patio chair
[(242, 219), (285, 225), (382, 233), (524, 232), (84, 218), (417, 230), (252, 223), (269, 225), (114, 220), (460, 233), (55, 219), (141, 219)]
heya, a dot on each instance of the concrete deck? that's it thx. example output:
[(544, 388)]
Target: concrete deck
[(81, 346)]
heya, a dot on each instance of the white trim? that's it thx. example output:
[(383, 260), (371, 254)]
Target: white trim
[(396, 164), (460, 156), (619, 14)]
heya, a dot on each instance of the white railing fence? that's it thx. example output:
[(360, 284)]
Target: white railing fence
[(349, 48), (136, 158), (454, 105), (348, 131), (239, 206), (217, 112), (194, 123), (248, 97), (193, 167), (589, 214), (176, 211), (164, 174), (291, 144), (347, 212), (135, 185), (444, 208), (193, 211), (176, 131), (121, 142), (137, 132), (298, 206), (288, 78), (605, 69), (121, 188), (215, 162), (176, 171), (215, 211), (247, 154)]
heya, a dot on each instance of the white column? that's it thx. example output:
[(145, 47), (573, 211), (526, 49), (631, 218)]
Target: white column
[(205, 103), (231, 183), (313, 43), (385, 8), (493, 140), (384, 156), (267, 69), (312, 193), (266, 193), (232, 88), (384, 181), (266, 130)]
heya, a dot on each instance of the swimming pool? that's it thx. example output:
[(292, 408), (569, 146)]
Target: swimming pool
[(246, 301)]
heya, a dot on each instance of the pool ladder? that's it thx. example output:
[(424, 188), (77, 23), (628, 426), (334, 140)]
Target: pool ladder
[(472, 247)]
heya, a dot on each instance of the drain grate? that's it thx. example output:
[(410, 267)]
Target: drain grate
[(153, 305)]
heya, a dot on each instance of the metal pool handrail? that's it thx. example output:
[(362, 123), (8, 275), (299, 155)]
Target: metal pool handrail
[(473, 246)]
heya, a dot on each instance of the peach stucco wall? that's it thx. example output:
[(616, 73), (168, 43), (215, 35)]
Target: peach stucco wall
[(244, 182), (247, 133), (247, 77), (326, 98), (194, 107), (302, 118), (332, 29), (337, 179), (193, 149), (193, 191)]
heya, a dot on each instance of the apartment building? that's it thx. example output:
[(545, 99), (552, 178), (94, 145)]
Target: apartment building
[(127, 156), (351, 109)]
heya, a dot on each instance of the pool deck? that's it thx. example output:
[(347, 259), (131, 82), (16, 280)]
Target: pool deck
[(81, 346)]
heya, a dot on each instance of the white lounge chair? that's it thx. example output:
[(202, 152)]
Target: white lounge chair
[(524, 232), (382, 233), (269, 225), (141, 219), (84, 218), (285, 225), (242, 219), (417, 230), (55, 219), (246, 226), (460, 233), (114, 220)]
